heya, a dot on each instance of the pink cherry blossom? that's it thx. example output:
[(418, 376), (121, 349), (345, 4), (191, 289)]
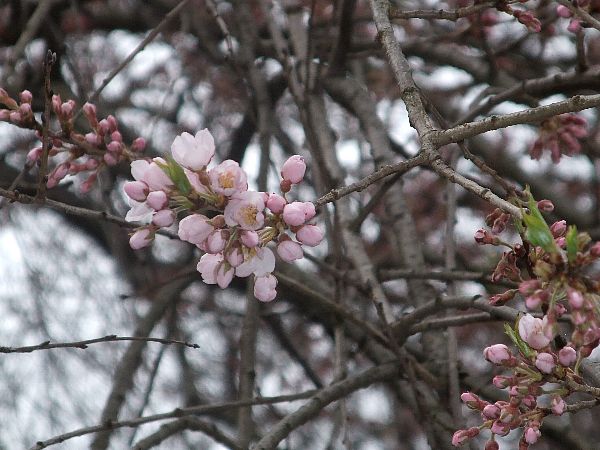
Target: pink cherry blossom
[(310, 235), (228, 178), (545, 362), (139, 212), (246, 210), (276, 203), (195, 229), (194, 180), (136, 190), (193, 152), (261, 264), (156, 178), (157, 200), (264, 288), (163, 218), (208, 267), (141, 238), (531, 330), (293, 169), (289, 250)]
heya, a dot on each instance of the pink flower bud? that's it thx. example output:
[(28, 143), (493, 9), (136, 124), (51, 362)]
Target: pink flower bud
[(25, 110), (163, 218), (155, 177), (264, 288), (294, 213), (595, 250), (563, 11), (309, 210), (289, 250), (90, 113), (138, 145), (558, 405), (472, 401), (461, 436), (500, 428), (103, 127), (502, 381), (58, 174), (141, 238), (34, 154), (87, 185), (116, 136), (559, 228), (497, 354), (136, 190), (545, 206), (157, 200), (235, 257), (491, 412), (545, 362), (276, 203), (195, 229), (216, 242), (110, 159), (574, 26), (293, 169), (575, 298), (529, 401), (56, 103), (15, 117), (66, 110), (249, 238), (26, 97), (112, 123), (93, 139), (567, 356), (532, 435), (115, 147), (310, 235), (193, 152)]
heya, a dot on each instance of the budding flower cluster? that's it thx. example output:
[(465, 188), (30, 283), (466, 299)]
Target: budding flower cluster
[(235, 240), (560, 135), (89, 153), (557, 258)]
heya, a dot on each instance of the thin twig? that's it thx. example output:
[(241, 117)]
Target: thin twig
[(48, 345), (155, 32), (48, 63)]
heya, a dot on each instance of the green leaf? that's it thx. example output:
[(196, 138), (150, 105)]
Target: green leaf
[(571, 240), (177, 175), (514, 336), (538, 233)]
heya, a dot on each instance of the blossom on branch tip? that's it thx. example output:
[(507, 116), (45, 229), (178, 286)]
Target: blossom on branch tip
[(264, 288), (531, 330), (228, 178), (193, 152), (293, 169), (497, 354)]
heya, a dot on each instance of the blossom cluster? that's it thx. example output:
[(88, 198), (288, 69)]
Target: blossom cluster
[(560, 135), (489, 17), (102, 146), (575, 24), (545, 370), (229, 223)]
